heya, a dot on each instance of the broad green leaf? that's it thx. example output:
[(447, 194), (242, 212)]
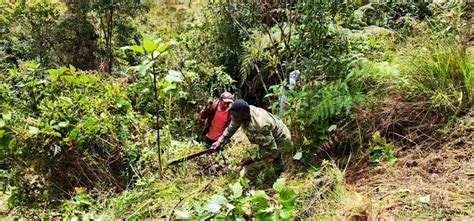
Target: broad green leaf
[(307, 142), (298, 155), (12, 71), (215, 203), (40, 82), (33, 130), (236, 189), (55, 73), (269, 95), (170, 89), (375, 158), (5, 138), (172, 42), (182, 215), (265, 214), (71, 79), (332, 128), (391, 160), (153, 55), (323, 137), (274, 88), (135, 48), (31, 65), (66, 100), (285, 214), (7, 115), (149, 45), (142, 69), (121, 102), (2, 123), (72, 68), (375, 148), (63, 124), (242, 173), (279, 185), (174, 76), (287, 198), (162, 47), (91, 125), (390, 157), (259, 201), (379, 140)]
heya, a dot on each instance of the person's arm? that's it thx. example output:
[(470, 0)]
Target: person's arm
[(229, 131)]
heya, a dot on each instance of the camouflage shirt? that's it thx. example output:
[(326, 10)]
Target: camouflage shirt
[(263, 128)]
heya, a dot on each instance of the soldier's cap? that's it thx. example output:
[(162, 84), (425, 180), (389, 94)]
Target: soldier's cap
[(227, 97)]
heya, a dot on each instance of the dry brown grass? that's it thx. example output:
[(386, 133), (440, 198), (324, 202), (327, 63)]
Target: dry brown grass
[(439, 169)]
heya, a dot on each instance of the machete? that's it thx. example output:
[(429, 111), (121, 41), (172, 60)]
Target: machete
[(194, 155)]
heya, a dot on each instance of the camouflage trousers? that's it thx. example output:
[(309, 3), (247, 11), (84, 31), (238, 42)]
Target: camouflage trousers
[(264, 172), (267, 169)]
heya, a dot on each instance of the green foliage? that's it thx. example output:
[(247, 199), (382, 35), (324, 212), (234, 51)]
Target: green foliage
[(334, 99), (69, 138), (392, 14), (66, 128), (320, 48), (153, 50), (28, 32), (381, 149), (76, 42), (55, 35), (311, 109), (442, 71), (239, 205), (77, 206)]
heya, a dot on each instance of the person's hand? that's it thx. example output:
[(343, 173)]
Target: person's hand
[(246, 161), (210, 101), (215, 145)]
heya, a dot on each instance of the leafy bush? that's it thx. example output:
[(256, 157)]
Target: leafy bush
[(258, 204), (311, 110), (381, 148), (65, 128)]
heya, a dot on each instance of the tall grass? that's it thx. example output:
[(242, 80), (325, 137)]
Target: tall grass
[(442, 71)]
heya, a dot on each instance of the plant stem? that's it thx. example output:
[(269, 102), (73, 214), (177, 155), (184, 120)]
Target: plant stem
[(169, 125), (157, 107)]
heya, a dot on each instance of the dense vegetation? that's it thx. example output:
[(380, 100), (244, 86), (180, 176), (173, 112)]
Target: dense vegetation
[(97, 96)]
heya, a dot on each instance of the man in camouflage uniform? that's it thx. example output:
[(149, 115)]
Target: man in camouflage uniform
[(262, 128)]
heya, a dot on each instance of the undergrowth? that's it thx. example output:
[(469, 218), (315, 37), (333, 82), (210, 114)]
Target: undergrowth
[(81, 144)]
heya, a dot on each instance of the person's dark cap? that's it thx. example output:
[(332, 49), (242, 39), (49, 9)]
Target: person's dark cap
[(227, 97)]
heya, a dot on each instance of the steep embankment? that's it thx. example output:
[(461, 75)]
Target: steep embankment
[(433, 179)]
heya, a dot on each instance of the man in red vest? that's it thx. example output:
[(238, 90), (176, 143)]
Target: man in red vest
[(215, 117)]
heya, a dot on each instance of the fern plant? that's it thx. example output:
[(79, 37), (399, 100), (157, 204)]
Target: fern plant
[(331, 100)]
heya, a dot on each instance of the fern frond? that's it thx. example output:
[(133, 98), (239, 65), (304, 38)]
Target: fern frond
[(333, 100), (246, 65)]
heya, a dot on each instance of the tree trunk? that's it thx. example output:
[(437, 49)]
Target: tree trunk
[(109, 40)]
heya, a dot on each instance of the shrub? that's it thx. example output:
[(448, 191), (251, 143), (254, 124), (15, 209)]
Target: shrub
[(65, 128)]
